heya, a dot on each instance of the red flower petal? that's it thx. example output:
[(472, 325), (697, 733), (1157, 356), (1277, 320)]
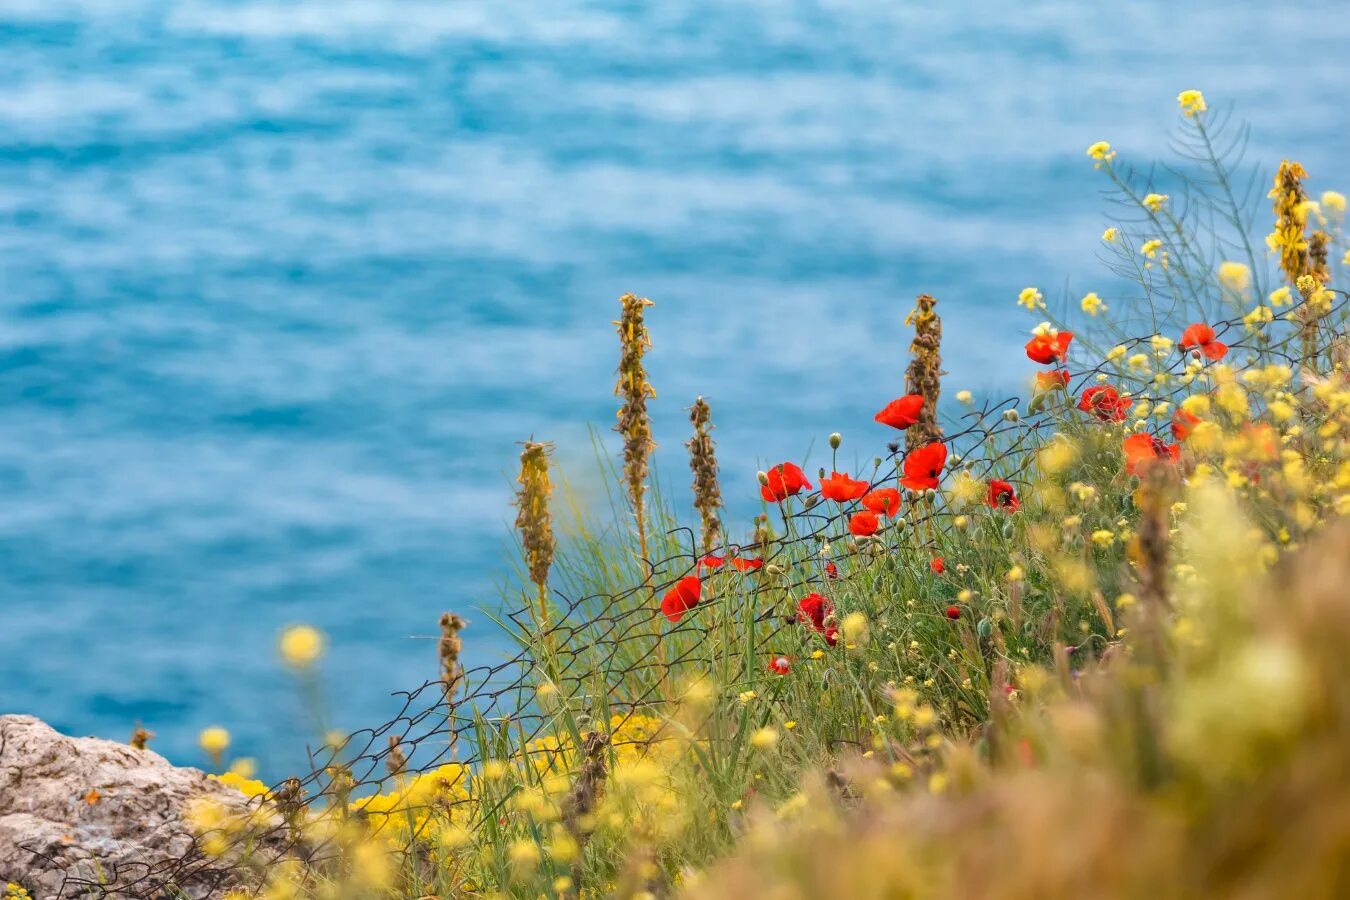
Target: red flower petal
[(840, 488), (681, 598), (864, 523), (883, 501), (901, 413), (923, 466), (785, 480)]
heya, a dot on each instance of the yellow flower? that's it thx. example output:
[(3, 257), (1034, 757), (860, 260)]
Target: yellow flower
[(1258, 316), (1110, 235), (1103, 538), (789, 724), (1092, 304), (1191, 102), (1030, 298), (301, 646), (1138, 361), (764, 739), (1100, 150), (1161, 345), (1015, 574), (1281, 297), (746, 696), (1117, 352), (1150, 248), (214, 740), (1154, 202), (1235, 275), (1333, 202), (855, 628), (964, 397)]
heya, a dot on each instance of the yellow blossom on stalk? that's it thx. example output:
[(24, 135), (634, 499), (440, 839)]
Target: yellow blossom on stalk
[(1281, 297), (1232, 399), (1334, 202), (301, 646), (1345, 260), (1154, 202), (964, 489), (1030, 298), (764, 739), (1150, 248), (965, 397), (1015, 574), (1191, 102), (1092, 304), (1110, 235), (1116, 352), (1258, 317), (215, 741), (1196, 404), (855, 628), (746, 696), (1161, 345), (1235, 276), (1101, 151), (1103, 537), (1057, 455), (1138, 361)]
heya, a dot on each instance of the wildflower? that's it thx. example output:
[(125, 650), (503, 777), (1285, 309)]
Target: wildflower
[(764, 738), (1183, 423), (1281, 297), (215, 741), (1142, 450), (683, 597), (1002, 496), (1103, 538), (301, 646), (1116, 353), (533, 519), (1031, 298), (1191, 102), (1201, 336), (1055, 379), (1105, 403), (1110, 235), (1259, 315), (953, 612), (882, 501), (813, 610), (1138, 361), (780, 665), (902, 412), (742, 564), (1092, 304), (634, 423), (1101, 151), (864, 523), (965, 397), (782, 481), (923, 467), (746, 696), (711, 562), (938, 565), (1150, 248), (1333, 202), (1154, 202), (831, 571), (855, 628), (1049, 347), (1235, 276), (1015, 574), (1161, 345), (840, 488)]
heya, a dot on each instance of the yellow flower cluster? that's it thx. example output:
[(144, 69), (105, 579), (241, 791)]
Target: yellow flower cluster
[(1191, 102)]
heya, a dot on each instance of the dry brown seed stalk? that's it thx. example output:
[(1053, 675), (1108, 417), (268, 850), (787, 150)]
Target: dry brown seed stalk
[(703, 463), (534, 521), (578, 809), (395, 761), (634, 423), (924, 375), (448, 650)]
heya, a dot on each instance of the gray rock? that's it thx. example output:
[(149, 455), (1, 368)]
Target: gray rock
[(130, 838)]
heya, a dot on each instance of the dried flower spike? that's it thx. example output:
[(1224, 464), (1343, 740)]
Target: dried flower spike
[(703, 463), (924, 375), (534, 521), (634, 423)]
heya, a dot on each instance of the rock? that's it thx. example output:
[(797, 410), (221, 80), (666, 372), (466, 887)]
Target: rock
[(91, 817)]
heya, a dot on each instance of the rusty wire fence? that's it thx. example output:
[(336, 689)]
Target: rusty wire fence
[(603, 647)]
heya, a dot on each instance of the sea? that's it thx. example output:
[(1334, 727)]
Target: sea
[(283, 283)]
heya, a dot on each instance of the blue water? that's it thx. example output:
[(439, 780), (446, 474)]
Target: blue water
[(282, 283)]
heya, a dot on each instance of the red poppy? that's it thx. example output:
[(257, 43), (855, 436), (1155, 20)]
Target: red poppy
[(864, 523), (923, 467), (1055, 379), (831, 634), (813, 610), (1105, 402), (780, 665), (1183, 423), (741, 564), (681, 598), (712, 562), (840, 488), (953, 612), (1002, 496), (901, 413), (785, 480), (1143, 450), (938, 565), (883, 501), (831, 571), (1202, 336), (1049, 348)]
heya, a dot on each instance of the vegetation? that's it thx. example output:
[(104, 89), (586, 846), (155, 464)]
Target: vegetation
[(1090, 644)]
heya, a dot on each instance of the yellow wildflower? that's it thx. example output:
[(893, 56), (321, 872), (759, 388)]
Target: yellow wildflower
[(965, 397), (1030, 298), (764, 739), (1333, 202), (1235, 276), (1281, 297), (301, 646), (1101, 151), (1092, 304), (1103, 538), (214, 740), (1191, 102), (1150, 248), (1154, 202), (1110, 235)]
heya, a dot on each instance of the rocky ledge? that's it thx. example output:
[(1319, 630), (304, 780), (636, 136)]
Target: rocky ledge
[(90, 817)]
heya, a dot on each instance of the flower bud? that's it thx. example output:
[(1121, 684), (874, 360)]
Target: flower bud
[(763, 477), (1011, 415), (835, 440)]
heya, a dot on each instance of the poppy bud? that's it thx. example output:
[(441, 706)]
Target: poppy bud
[(876, 462), (953, 612), (835, 440), (985, 628), (773, 569), (763, 478), (811, 501), (893, 446), (821, 471), (1011, 415)]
